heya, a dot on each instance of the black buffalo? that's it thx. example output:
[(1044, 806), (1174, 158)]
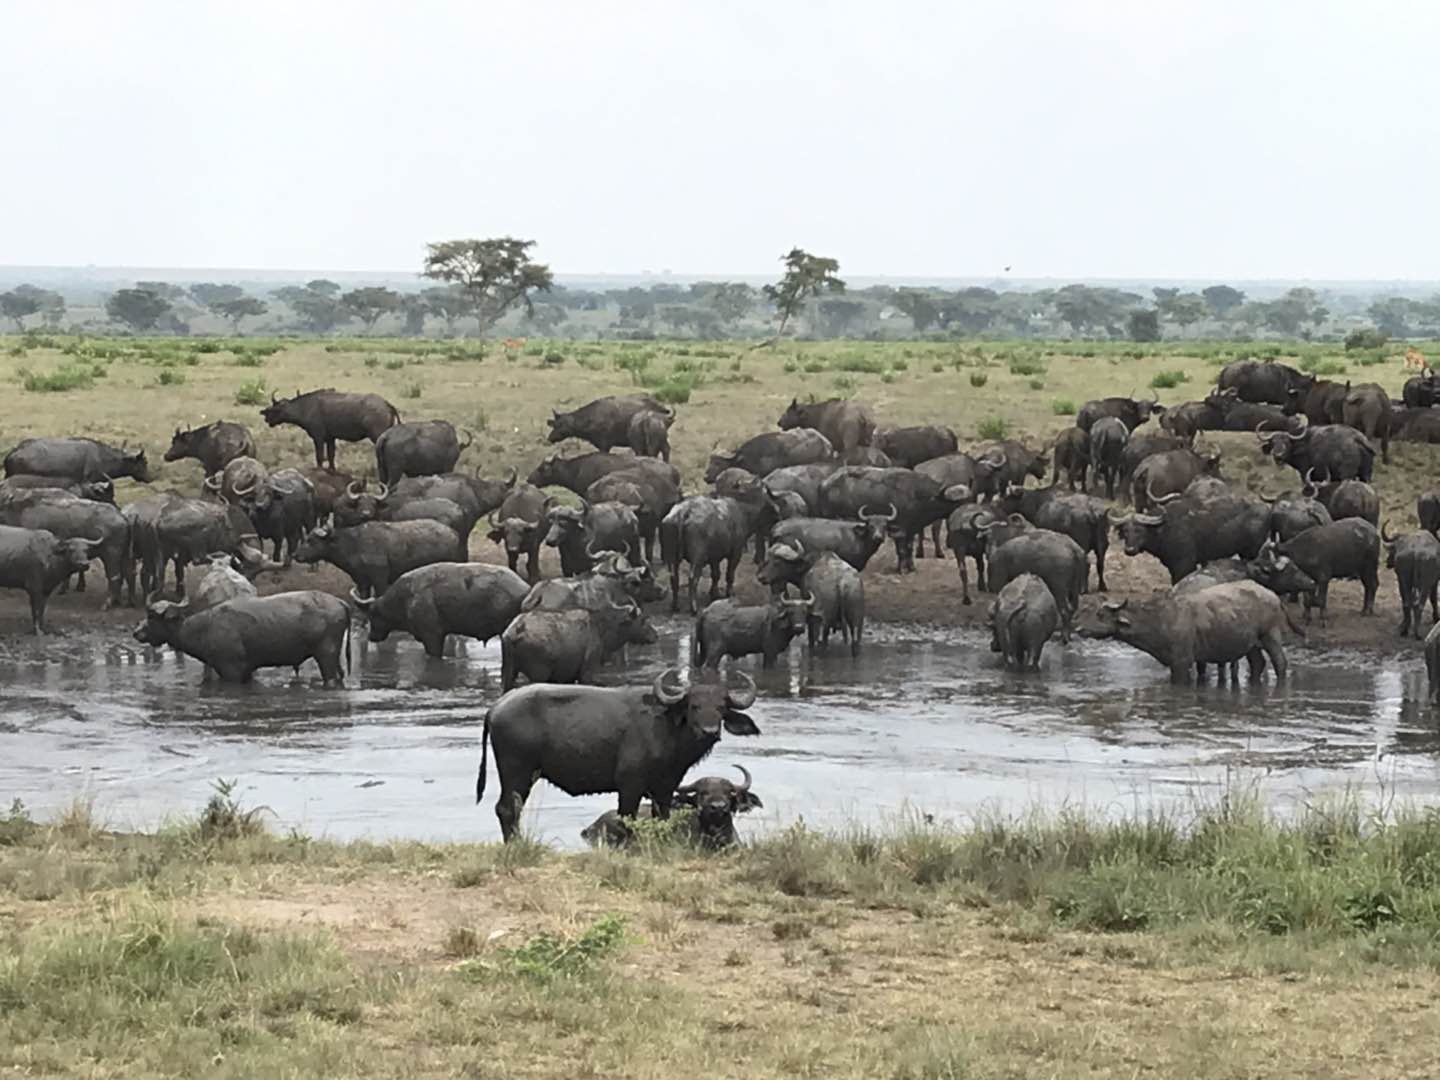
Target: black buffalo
[(329, 416), (214, 445), (847, 424), (1190, 530), (1348, 549), (909, 446), (726, 628), (1415, 558), (1071, 453), (39, 562), (468, 599), (1129, 411), (1257, 381), (605, 422), (1022, 619), (568, 646), (764, 453), (715, 801), (419, 448), (75, 459), (377, 553), (1333, 451)]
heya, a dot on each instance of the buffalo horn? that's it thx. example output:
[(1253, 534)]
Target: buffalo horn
[(362, 602), (743, 697), (1159, 500), (214, 483), (384, 492), (514, 475), (1384, 535), (274, 396), (1110, 513), (1267, 497), (92, 543), (1309, 487), (808, 599), (240, 492), (669, 687), (352, 491), (1150, 519), (469, 439), (745, 773)]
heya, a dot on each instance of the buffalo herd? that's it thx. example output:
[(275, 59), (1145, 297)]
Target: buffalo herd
[(810, 502)]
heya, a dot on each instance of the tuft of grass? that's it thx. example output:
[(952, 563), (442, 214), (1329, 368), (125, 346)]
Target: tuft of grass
[(412, 389), (1062, 407), (64, 378), (1026, 365), (1037, 384), (993, 427), (844, 385), (251, 393), (395, 363), (547, 957), (170, 377), (224, 818), (978, 378), (1165, 380), (246, 359)]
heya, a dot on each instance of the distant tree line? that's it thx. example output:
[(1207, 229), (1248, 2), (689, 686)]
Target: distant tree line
[(495, 284)]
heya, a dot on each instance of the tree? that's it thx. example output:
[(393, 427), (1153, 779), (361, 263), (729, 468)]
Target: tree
[(240, 307), (140, 309), (1085, 307), (323, 286), (1222, 299), (370, 303), (840, 315), (921, 308), (449, 302), (973, 309), (52, 304), (1165, 299), (207, 294), (1186, 309), (318, 309), (414, 308), (1293, 310), (1143, 325), (162, 289), (18, 305), (494, 274), (730, 300), (546, 317), (1392, 315), (806, 277)]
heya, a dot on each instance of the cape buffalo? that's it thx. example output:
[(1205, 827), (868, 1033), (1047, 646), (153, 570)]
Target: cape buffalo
[(282, 509), (214, 445), (240, 636), (1080, 517), (238, 480), (580, 534), (638, 741), (419, 448), (801, 480), (1139, 448), (468, 599), (725, 628), (715, 801), (1185, 421), (75, 459), (1422, 391), (1055, 559), (909, 446), (965, 535), (866, 455), (1168, 472), (1188, 531), (577, 473), (1131, 412), (1427, 510), (330, 415), (1366, 408), (519, 527), (567, 646), (1108, 436), (1022, 619), (605, 422), (613, 580), (915, 500), (771, 450), (71, 518), (185, 532), (102, 490), (847, 424), (377, 553), (1071, 453), (1415, 558), (1005, 465), (1266, 381), (1346, 498), (39, 562), (705, 531), (854, 541), (1218, 625), (1432, 663), (1333, 451), (835, 588), (649, 434), (1348, 549), (1322, 402), (1292, 514)]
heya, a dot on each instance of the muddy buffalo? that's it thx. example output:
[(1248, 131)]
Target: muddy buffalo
[(419, 448), (715, 801), (1415, 558), (377, 553), (1022, 619), (569, 646), (39, 562), (605, 422), (1346, 550), (726, 628), (75, 459), (847, 424), (1131, 412), (214, 445), (1267, 381), (467, 599), (764, 453)]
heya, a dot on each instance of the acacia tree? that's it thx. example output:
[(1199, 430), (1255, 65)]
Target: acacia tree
[(449, 303), (806, 277), (370, 303), (1222, 299), (318, 308), (493, 274), (921, 308), (237, 308), (17, 305), (140, 309)]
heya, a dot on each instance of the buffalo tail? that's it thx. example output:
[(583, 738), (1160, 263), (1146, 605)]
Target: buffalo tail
[(484, 758)]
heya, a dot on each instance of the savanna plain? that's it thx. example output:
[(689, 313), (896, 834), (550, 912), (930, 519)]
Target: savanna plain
[(1220, 942)]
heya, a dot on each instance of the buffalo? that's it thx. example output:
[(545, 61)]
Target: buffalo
[(726, 628), (1261, 382), (1108, 436), (238, 480), (915, 500), (705, 531), (1191, 530), (1415, 558), (605, 422), (567, 646), (613, 580), (1022, 619), (377, 553), (519, 527), (1071, 453), (75, 459), (419, 448), (1129, 411), (714, 800), (71, 518), (847, 424), (836, 590), (237, 638), (1333, 451), (580, 534), (1348, 549), (1055, 559), (329, 416), (1345, 498), (39, 562), (282, 509), (854, 541), (764, 453), (214, 445), (1366, 408), (1169, 472), (637, 741), (1290, 515), (1421, 391), (578, 472), (909, 446), (649, 434), (432, 602), (1083, 518)]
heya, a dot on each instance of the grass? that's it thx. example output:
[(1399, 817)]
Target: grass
[(1062, 407), (64, 378), (1227, 941), (251, 393), (1166, 380), (993, 427)]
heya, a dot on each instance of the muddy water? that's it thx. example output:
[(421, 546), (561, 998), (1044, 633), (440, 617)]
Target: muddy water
[(922, 723)]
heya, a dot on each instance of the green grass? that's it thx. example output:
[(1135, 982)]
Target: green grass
[(66, 377), (1062, 407), (993, 427), (978, 378), (1166, 380), (251, 393)]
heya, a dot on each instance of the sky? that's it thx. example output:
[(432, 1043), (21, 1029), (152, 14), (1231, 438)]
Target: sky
[(1060, 138)]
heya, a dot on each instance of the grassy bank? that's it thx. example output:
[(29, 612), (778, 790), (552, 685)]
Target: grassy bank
[(1229, 943)]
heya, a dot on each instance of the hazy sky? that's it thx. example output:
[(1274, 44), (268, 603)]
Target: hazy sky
[(1060, 137)]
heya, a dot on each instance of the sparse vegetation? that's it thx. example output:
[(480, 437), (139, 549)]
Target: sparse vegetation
[(1062, 407), (251, 393), (1166, 380), (993, 427)]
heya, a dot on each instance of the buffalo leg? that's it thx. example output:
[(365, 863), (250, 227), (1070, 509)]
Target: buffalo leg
[(511, 804), (630, 796), (320, 452), (1435, 604), (330, 453), (38, 600), (731, 565), (964, 579), (1371, 581), (1275, 650), (674, 588), (695, 572), (715, 581)]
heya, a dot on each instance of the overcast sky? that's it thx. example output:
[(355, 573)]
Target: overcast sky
[(1063, 138)]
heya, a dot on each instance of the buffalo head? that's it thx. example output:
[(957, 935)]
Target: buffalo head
[(1279, 573), (102, 490), (785, 564), (563, 426), (182, 444), (564, 521), (716, 800), (704, 703), (791, 615), (162, 619), (317, 546), (75, 555), (1140, 532), (280, 410), (719, 463), (794, 416), (358, 505)]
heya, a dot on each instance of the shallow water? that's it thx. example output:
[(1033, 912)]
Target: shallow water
[(922, 723)]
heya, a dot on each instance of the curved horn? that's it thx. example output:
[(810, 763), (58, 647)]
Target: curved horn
[(469, 440), (1309, 487), (92, 543), (1384, 526), (1267, 497), (1159, 500), (240, 492), (1110, 513), (274, 396), (352, 491), (669, 687), (384, 492), (1150, 519), (215, 482), (809, 599), (362, 602), (745, 773), (745, 696), (514, 475)]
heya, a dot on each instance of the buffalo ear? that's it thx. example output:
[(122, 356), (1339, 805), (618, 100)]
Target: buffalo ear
[(738, 723), (747, 800), (496, 535)]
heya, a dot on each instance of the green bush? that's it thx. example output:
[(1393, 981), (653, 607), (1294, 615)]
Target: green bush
[(978, 378), (1037, 384), (676, 389), (208, 347), (1366, 338), (251, 393), (171, 377), (993, 427), (66, 377), (1026, 365), (554, 358), (1165, 380), (844, 385), (394, 364), (1062, 407), (1321, 367)]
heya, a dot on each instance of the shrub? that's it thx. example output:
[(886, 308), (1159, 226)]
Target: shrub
[(554, 359), (1062, 407), (993, 427), (251, 393), (208, 347), (548, 956), (247, 359), (394, 364), (790, 367), (813, 367), (66, 377), (1165, 380), (372, 361), (1026, 365), (171, 377), (1321, 367), (1037, 384), (978, 378), (844, 385), (1366, 338), (412, 389), (676, 389)]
